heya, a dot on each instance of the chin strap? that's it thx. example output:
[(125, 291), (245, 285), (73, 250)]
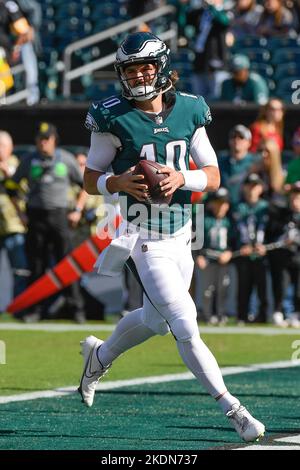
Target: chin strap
[(144, 98)]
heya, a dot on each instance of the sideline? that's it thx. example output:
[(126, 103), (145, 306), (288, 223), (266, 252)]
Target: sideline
[(63, 327)]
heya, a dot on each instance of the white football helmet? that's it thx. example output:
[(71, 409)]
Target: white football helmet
[(144, 48)]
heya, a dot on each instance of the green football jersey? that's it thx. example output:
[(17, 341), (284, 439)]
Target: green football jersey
[(217, 233), (164, 139)]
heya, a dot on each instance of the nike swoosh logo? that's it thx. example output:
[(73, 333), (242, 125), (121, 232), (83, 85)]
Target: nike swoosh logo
[(88, 365), (95, 106), (87, 368)]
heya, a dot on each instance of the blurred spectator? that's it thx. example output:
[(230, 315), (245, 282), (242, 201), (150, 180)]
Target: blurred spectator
[(6, 78), (211, 23), (12, 230), (284, 226), (182, 9), (215, 256), (293, 170), (12, 22), (269, 124), (244, 86), (33, 12), (14, 29), (235, 164), (89, 211), (250, 223), (269, 168), (295, 5), (140, 7), (277, 20), (246, 14), (49, 172)]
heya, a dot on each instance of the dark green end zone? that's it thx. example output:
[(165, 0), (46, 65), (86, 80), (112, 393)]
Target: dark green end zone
[(166, 416)]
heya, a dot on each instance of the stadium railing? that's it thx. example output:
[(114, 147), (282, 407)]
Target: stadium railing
[(71, 74)]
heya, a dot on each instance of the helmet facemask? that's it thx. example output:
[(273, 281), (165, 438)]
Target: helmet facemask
[(148, 88), (139, 49)]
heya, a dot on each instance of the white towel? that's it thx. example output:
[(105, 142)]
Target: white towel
[(111, 261)]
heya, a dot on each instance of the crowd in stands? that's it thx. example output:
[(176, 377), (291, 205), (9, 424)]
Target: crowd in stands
[(44, 213), (253, 222), (239, 51)]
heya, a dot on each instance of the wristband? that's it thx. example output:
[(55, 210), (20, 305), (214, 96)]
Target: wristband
[(101, 184), (194, 180)]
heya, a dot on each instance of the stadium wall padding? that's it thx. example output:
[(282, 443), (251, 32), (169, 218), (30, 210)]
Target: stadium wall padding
[(21, 122)]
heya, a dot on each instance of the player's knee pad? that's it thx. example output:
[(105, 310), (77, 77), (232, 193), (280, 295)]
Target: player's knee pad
[(181, 317), (183, 329)]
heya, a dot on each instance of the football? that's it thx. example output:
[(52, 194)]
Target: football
[(152, 178)]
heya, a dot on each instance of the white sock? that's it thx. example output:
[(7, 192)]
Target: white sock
[(129, 332), (226, 401), (201, 362)]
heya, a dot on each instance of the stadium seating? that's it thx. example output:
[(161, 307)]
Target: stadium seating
[(258, 54), (276, 59), (286, 54), (101, 90), (249, 42), (265, 70), (286, 70), (279, 42), (72, 9), (284, 86)]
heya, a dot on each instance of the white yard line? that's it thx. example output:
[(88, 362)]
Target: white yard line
[(62, 327), (54, 327), (270, 447), (290, 439), (145, 380)]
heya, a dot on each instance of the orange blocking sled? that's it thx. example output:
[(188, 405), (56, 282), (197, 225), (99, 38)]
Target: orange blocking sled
[(67, 271)]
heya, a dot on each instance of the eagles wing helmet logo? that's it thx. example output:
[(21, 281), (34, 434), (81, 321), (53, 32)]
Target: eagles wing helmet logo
[(91, 124), (208, 116)]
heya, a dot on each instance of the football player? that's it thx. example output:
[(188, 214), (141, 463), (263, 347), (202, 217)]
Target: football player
[(151, 120)]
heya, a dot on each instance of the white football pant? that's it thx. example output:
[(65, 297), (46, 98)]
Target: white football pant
[(165, 268)]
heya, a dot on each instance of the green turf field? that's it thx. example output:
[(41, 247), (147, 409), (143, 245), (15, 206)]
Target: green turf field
[(174, 415), (38, 360), (171, 415)]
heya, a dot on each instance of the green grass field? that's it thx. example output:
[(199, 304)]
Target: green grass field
[(175, 415), (39, 360)]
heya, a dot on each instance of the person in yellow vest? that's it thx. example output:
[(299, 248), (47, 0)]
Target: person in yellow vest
[(12, 24), (12, 229)]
